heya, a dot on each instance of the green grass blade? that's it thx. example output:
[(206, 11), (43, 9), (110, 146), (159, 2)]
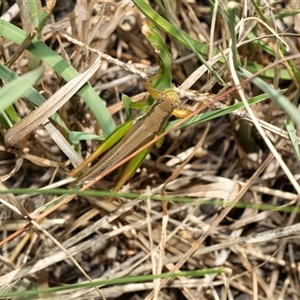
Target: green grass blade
[(275, 95), (126, 103), (131, 167), (16, 88), (200, 48), (290, 128), (210, 115), (115, 281), (190, 43), (154, 37), (8, 117)]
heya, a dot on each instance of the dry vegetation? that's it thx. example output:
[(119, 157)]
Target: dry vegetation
[(235, 209)]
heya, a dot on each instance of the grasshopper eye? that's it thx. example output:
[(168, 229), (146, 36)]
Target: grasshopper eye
[(162, 99), (174, 104)]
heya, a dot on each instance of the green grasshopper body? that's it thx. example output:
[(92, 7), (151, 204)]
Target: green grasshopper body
[(141, 132)]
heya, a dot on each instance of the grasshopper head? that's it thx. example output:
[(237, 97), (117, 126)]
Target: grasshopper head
[(168, 100)]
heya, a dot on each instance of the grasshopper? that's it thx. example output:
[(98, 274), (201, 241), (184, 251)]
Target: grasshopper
[(142, 131)]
